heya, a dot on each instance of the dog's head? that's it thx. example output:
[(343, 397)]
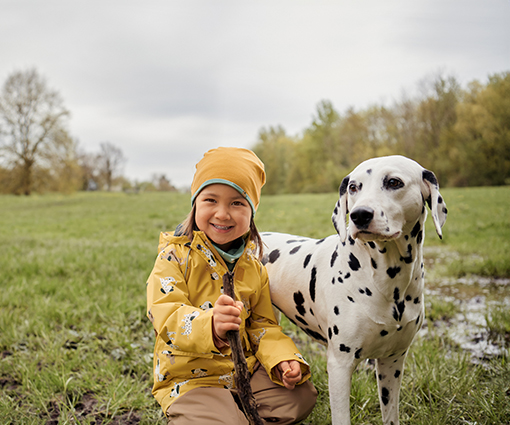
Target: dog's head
[(384, 196)]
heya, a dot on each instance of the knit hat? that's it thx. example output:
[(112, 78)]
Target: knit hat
[(236, 167)]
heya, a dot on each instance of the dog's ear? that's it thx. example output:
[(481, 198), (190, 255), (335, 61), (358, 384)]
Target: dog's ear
[(339, 217), (434, 200)]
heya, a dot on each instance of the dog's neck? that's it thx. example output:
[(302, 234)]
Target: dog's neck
[(401, 260)]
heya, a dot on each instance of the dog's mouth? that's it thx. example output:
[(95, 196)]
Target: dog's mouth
[(368, 236)]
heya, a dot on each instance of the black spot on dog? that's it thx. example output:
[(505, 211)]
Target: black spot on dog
[(409, 258), (393, 271), (314, 335), (354, 262), (419, 238), (311, 312), (299, 300), (296, 240), (274, 255), (361, 291), (401, 306), (301, 320), (295, 249), (409, 298), (385, 396), (343, 186), (330, 333), (399, 328), (350, 299), (333, 281), (313, 281), (374, 263), (395, 313), (335, 330), (383, 251), (347, 276), (397, 374), (336, 310), (344, 348), (340, 279), (351, 240), (357, 354), (418, 319), (334, 256), (307, 260), (368, 292), (320, 241), (383, 333), (429, 176), (416, 229), (369, 171), (371, 244), (396, 294), (417, 300)]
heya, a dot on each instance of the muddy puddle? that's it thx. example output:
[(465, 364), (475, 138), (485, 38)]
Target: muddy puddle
[(475, 315)]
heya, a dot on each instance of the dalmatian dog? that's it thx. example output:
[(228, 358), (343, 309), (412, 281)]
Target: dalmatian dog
[(360, 291)]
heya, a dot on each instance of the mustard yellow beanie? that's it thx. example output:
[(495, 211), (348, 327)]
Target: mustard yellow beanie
[(236, 167)]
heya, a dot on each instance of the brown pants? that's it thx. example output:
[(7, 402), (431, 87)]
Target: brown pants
[(217, 406)]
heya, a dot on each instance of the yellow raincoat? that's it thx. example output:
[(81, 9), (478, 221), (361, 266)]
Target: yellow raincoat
[(184, 285)]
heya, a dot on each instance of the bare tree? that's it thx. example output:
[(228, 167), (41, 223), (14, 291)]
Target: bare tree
[(32, 119), (111, 160)]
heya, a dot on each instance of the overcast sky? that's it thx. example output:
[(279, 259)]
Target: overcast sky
[(167, 80)]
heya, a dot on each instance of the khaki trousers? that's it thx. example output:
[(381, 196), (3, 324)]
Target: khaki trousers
[(218, 406)]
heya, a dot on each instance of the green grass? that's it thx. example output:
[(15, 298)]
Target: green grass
[(75, 346)]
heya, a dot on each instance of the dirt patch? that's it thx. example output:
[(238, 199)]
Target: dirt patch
[(87, 408), (9, 384)]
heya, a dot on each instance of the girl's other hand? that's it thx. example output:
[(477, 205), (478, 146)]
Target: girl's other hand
[(289, 373)]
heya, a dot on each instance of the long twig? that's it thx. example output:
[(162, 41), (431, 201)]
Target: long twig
[(242, 375)]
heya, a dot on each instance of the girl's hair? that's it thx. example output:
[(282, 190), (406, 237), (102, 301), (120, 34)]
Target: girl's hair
[(189, 225)]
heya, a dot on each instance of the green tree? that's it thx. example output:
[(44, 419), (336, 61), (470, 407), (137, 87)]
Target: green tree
[(436, 116), (276, 150), (483, 128)]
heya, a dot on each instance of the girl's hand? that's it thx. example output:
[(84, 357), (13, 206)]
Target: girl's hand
[(226, 315), (289, 373)]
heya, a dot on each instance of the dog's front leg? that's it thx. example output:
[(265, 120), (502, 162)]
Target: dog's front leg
[(340, 376), (389, 378)]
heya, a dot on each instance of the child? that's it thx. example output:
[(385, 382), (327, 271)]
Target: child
[(193, 368)]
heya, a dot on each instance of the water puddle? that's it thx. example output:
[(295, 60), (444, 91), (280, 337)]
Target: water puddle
[(477, 317)]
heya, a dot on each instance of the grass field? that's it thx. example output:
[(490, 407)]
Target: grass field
[(75, 346)]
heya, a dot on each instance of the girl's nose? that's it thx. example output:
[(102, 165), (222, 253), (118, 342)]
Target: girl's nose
[(222, 213)]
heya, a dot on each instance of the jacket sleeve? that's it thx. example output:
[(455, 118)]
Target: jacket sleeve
[(272, 346), (182, 326)]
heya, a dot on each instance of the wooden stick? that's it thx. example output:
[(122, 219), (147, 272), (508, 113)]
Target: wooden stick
[(242, 376)]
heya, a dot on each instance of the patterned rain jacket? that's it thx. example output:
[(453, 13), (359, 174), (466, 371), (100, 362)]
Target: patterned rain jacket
[(184, 285)]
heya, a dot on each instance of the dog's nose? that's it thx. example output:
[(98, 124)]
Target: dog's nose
[(362, 216)]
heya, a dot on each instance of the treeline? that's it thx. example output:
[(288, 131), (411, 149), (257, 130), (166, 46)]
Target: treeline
[(462, 134), (37, 153)]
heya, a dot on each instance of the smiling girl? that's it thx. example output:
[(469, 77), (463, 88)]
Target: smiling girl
[(193, 368)]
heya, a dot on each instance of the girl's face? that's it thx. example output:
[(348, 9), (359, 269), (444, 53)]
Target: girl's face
[(223, 214)]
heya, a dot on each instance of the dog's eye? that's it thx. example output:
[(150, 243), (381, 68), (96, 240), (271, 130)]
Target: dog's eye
[(393, 183), (353, 189)]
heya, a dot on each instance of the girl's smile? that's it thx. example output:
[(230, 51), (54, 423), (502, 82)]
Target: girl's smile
[(223, 214)]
